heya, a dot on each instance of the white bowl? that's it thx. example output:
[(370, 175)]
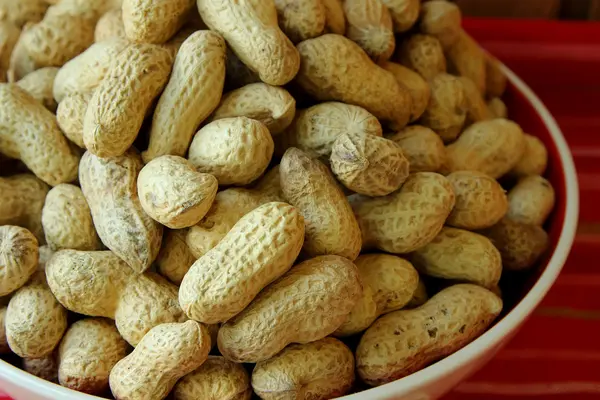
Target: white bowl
[(436, 380)]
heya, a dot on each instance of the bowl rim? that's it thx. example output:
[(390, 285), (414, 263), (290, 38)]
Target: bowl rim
[(492, 338)]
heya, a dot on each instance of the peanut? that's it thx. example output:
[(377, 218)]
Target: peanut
[(369, 24), (89, 350), (477, 109), (335, 21), (192, 94), (20, 63), (331, 228), (301, 20), (175, 258), (446, 112), (308, 303), (534, 160), (167, 353), (480, 201), (497, 108), (110, 26), (70, 114), (260, 248), (18, 257), (466, 58), (21, 12), (496, 81), (216, 379), (109, 186), (147, 21), (324, 74), (67, 220), (43, 367), (320, 370), (493, 147), (531, 200), (441, 19), (408, 219), (238, 74), (404, 13), (235, 150), (9, 35), (269, 185), (28, 131), (420, 296), (422, 147), (251, 30), (417, 87), (422, 54), (4, 347), (39, 85), (403, 342)]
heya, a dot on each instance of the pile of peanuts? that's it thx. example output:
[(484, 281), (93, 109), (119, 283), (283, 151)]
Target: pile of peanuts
[(307, 169)]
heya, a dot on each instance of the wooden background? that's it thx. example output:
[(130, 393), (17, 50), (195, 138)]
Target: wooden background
[(554, 9)]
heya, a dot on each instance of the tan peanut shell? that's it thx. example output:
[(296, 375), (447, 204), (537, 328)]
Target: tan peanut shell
[(320, 370), (520, 245), (480, 200), (495, 79), (335, 19), (497, 108), (324, 74), (369, 24), (466, 58), (193, 92), (531, 200), (422, 54), (22, 198), (252, 32), (404, 13), (260, 248), (301, 19), (369, 165), (43, 367), (18, 257), (87, 353), (493, 147), (235, 150), (477, 109), (441, 19), (269, 185), (9, 35), (237, 73), (423, 148), (117, 109), (405, 341), (331, 228), (110, 26), (446, 112), (216, 379), (28, 131), (389, 281), (67, 220), (148, 21), (167, 353), (39, 84), (408, 219), (175, 258), (109, 186), (273, 106), (21, 12), (173, 193), (534, 159), (4, 348), (307, 304), (420, 296), (70, 114), (414, 83), (460, 255)]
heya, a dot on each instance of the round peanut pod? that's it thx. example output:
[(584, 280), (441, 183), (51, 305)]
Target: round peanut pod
[(389, 283), (405, 341), (480, 200), (422, 147), (67, 220), (237, 73), (496, 81), (301, 20), (369, 165), (335, 19), (446, 112), (175, 258), (260, 248), (320, 370), (28, 132), (18, 257), (408, 219), (87, 353), (520, 245), (43, 367), (167, 353), (420, 296), (273, 106), (534, 160), (414, 83), (190, 97), (466, 58), (423, 54), (9, 35), (70, 114), (4, 347), (252, 32), (331, 228), (312, 300), (531, 200), (315, 129), (147, 21), (110, 26), (109, 186), (404, 13), (477, 109), (22, 198), (497, 108), (216, 379), (369, 24), (173, 193), (39, 85), (325, 75), (235, 150), (21, 12), (460, 255), (269, 185), (493, 147), (441, 19)]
